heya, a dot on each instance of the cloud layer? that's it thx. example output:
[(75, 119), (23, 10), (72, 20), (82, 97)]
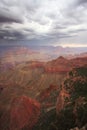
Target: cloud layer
[(44, 22)]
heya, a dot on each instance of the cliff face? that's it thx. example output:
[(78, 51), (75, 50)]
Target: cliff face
[(73, 95), (61, 100), (47, 97), (23, 113), (71, 106)]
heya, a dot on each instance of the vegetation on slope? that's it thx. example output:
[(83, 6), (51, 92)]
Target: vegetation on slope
[(73, 108)]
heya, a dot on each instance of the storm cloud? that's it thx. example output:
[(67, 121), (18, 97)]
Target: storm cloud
[(82, 2), (42, 22)]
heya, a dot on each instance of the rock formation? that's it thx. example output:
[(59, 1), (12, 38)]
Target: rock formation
[(24, 112), (73, 95)]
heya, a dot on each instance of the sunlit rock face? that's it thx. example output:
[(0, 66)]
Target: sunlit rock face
[(61, 100), (24, 113)]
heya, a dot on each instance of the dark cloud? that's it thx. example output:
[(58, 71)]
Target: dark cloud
[(59, 35), (82, 2), (7, 15), (6, 19), (29, 30), (12, 35)]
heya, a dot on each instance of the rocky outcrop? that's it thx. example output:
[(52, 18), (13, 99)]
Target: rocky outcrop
[(62, 65), (46, 92), (24, 112), (71, 106), (48, 96), (61, 100), (73, 95)]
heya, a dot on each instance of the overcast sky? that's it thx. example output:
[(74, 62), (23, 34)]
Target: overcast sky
[(44, 22)]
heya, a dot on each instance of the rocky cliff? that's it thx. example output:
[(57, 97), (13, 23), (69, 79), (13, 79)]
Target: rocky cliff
[(71, 106), (23, 113), (73, 95)]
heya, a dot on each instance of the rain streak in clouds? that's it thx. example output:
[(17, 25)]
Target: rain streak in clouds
[(44, 22)]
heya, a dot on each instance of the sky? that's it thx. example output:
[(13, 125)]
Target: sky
[(43, 22)]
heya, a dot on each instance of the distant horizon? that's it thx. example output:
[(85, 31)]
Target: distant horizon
[(53, 45)]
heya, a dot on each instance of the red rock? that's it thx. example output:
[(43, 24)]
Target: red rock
[(24, 112), (45, 94), (61, 100)]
